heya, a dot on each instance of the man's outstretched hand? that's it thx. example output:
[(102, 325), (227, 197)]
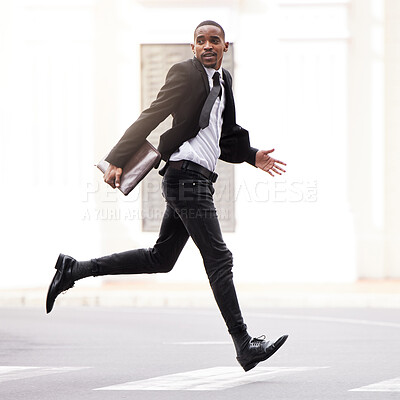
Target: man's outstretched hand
[(112, 176), (267, 163)]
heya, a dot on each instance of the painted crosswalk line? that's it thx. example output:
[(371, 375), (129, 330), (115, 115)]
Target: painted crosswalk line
[(200, 343), (217, 378), (391, 385), (12, 373)]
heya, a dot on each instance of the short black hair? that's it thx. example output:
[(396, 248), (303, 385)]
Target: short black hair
[(209, 22)]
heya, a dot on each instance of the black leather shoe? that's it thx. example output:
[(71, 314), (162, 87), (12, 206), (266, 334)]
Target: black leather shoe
[(62, 280), (257, 350)]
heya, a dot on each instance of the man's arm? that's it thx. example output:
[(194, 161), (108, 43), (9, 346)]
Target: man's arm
[(167, 101)]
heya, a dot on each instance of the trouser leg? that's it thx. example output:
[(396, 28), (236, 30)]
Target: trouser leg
[(206, 233), (193, 202), (160, 258)]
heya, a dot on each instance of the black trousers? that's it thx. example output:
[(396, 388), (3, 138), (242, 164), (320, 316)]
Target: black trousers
[(190, 211)]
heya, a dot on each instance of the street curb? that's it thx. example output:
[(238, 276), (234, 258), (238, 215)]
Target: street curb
[(370, 295)]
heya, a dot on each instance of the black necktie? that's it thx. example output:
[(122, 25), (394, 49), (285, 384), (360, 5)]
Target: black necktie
[(208, 105)]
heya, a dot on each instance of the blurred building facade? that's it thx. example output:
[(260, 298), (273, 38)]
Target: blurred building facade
[(316, 79)]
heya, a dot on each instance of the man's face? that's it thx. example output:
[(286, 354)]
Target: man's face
[(209, 46)]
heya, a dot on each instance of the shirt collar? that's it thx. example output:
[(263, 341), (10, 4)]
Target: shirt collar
[(211, 71)]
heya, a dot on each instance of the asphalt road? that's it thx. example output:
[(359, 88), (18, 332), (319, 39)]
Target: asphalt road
[(134, 353)]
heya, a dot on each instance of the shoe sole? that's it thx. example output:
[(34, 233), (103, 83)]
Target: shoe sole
[(274, 348), (49, 304)]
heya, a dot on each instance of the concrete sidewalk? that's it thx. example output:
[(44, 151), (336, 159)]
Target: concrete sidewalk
[(364, 293)]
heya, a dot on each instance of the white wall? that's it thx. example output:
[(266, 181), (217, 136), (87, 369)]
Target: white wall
[(46, 135), (70, 87)]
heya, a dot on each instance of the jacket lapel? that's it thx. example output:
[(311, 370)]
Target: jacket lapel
[(228, 87), (229, 112), (203, 74)]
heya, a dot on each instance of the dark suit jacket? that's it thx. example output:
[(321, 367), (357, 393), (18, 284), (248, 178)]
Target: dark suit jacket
[(183, 95)]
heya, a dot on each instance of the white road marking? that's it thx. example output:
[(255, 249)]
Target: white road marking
[(351, 321), (217, 378), (12, 373), (327, 319), (198, 343), (391, 385)]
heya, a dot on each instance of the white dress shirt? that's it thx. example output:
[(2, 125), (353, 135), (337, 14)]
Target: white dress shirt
[(204, 148)]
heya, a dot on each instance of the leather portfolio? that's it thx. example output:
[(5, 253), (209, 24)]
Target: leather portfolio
[(138, 166)]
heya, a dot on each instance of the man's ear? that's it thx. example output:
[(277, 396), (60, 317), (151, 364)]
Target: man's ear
[(192, 46), (226, 46)]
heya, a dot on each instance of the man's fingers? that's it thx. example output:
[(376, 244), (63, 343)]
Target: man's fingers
[(268, 151), (118, 174), (281, 169), (276, 171), (113, 176), (109, 181), (280, 162)]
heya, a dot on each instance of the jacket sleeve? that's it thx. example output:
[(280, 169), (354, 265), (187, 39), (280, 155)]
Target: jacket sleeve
[(235, 146), (167, 101), (235, 142), (251, 156)]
